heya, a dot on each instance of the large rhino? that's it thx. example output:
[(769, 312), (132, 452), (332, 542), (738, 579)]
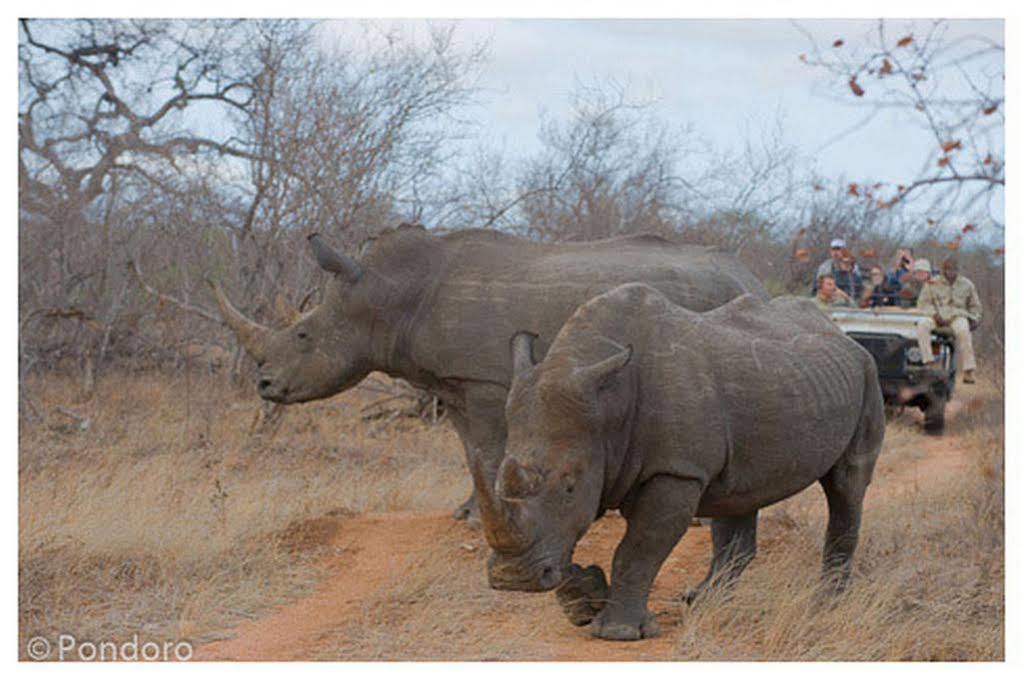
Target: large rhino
[(665, 413), (438, 312)]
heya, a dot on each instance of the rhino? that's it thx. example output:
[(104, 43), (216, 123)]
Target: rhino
[(437, 311), (665, 413)]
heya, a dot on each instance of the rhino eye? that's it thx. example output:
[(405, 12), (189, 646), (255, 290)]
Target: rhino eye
[(302, 335), (570, 487)]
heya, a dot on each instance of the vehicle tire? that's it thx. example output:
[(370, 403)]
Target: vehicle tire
[(934, 415)]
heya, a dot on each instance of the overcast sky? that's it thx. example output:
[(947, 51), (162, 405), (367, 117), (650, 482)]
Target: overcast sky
[(724, 77)]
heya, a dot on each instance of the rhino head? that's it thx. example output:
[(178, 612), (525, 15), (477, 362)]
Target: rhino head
[(550, 483), (319, 353)]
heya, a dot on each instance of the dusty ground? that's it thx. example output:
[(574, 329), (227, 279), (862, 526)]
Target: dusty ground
[(328, 537), (375, 604)]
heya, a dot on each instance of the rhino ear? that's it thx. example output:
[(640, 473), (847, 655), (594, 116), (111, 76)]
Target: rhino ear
[(591, 378), (334, 262), (522, 352)]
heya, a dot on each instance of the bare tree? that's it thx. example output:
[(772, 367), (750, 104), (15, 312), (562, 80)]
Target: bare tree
[(609, 170), (104, 107), (212, 147), (954, 87)]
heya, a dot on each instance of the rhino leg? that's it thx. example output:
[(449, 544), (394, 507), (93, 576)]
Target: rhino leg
[(844, 487), (657, 519), (735, 546)]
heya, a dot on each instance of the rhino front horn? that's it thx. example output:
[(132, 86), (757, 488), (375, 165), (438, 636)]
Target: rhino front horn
[(498, 521), (250, 334), (334, 262)]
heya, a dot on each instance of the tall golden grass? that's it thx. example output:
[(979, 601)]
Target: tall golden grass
[(167, 515)]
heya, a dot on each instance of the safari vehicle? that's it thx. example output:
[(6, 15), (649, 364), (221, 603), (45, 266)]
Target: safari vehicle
[(889, 334)]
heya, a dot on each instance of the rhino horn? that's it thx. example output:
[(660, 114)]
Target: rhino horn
[(522, 352), (334, 262), (251, 335), (590, 378), (498, 517)]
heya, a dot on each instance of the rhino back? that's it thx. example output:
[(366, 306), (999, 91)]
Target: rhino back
[(756, 399), (491, 287)]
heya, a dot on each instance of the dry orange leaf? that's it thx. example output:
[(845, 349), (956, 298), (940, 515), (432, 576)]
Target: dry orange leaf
[(990, 109), (904, 42), (886, 68), (803, 255), (854, 190), (969, 227), (951, 146), (838, 43), (855, 87), (943, 161)]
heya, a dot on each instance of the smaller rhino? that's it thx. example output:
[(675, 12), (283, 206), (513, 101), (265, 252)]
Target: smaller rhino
[(667, 414)]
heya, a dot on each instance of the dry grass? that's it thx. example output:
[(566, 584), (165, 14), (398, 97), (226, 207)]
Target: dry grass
[(167, 517), (928, 583)]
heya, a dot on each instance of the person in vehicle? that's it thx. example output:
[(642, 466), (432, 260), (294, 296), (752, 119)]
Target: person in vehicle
[(914, 283), (829, 295), (847, 275), (832, 265), (902, 268), (951, 301), (877, 291)]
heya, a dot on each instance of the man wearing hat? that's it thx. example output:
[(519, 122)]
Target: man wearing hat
[(951, 301), (833, 266), (913, 284)]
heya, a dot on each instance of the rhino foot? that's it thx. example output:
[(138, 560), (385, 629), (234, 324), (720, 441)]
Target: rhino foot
[(643, 627), (583, 593)]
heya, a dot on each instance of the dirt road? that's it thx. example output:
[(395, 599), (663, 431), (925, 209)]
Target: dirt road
[(411, 586)]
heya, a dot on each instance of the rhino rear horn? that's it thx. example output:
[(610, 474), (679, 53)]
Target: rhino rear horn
[(334, 262), (522, 352), (518, 481)]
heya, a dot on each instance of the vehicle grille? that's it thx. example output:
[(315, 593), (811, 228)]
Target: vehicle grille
[(888, 351)]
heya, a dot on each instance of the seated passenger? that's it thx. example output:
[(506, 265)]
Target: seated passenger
[(902, 269), (951, 301), (914, 283), (877, 292), (829, 295), (847, 276)]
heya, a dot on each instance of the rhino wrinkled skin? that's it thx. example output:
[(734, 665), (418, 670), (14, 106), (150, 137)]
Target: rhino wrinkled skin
[(437, 311), (667, 414)]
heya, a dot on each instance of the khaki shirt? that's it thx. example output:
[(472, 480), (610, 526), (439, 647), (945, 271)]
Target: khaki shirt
[(950, 300), (839, 299)]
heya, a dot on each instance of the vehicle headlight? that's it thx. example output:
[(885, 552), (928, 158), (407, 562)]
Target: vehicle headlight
[(914, 354)]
